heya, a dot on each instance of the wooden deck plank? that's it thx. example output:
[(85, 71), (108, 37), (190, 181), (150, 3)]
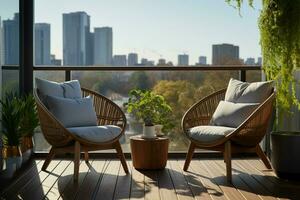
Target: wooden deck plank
[(252, 183), (214, 190), (40, 190), (123, 184), (181, 186), (137, 184), (198, 189), (59, 185), (220, 179), (272, 183), (107, 185), (71, 189), (104, 179), (23, 179), (165, 185), (90, 183), (238, 182), (151, 185), (33, 186)]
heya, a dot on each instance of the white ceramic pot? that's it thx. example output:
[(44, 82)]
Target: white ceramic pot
[(149, 132), (158, 129)]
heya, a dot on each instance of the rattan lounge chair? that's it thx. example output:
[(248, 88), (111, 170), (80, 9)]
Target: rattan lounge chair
[(245, 138), (63, 141)]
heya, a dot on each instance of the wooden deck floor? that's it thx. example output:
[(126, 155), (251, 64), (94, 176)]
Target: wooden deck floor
[(105, 179)]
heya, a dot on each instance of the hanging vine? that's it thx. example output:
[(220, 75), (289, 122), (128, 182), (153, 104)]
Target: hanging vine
[(279, 25)]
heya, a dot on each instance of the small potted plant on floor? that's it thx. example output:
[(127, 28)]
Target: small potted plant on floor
[(11, 134), (29, 121), (149, 107)]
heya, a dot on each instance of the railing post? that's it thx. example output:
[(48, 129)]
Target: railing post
[(67, 75), (242, 75)]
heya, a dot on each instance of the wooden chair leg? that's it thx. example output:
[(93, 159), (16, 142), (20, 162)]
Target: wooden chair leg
[(50, 156), (86, 156), (228, 161), (121, 156), (263, 157), (76, 160), (189, 156)]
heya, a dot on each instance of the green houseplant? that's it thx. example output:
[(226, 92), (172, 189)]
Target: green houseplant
[(279, 25), (11, 134), (149, 107), (29, 121)]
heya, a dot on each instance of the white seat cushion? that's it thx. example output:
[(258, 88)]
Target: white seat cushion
[(209, 134), (96, 133)]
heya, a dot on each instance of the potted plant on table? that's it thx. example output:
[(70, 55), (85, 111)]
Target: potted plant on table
[(279, 26), (11, 134), (151, 108)]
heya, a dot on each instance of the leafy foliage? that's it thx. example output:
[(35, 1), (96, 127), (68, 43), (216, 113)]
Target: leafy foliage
[(150, 107), (29, 119), (279, 25), (11, 117)]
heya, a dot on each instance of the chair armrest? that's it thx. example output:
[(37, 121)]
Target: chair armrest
[(108, 113), (201, 112)]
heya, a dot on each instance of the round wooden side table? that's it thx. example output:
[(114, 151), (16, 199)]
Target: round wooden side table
[(149, 153)]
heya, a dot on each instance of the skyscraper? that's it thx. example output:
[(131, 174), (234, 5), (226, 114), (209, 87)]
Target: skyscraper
[(11, 40), (259, 61), (76, 36), (250, 61), (1, 46), (119, 60), (183, 59), (103, 46), (161, 62), (202, 60), (132, 59), (42, 44), (223, 54)]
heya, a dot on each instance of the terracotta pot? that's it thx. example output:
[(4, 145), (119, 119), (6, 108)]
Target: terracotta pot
[(11, 151), (27, 143)]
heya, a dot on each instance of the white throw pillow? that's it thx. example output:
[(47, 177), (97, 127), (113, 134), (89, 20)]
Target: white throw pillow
[(232, 114), (73, 112), (243, 92)]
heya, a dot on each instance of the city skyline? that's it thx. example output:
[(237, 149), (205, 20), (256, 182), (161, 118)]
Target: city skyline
[(96, 47), (196, 29)]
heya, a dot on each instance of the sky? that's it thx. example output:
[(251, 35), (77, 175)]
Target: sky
[(157, 28)]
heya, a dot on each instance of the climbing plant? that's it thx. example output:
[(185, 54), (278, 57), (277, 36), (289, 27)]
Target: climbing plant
[(279, 25)]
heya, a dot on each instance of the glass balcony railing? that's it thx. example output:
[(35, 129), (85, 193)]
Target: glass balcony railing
[(181, 87)]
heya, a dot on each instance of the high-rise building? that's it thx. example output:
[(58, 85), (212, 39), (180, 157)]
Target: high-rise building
[(202, 60), (119, 60), (250, 61), (132, 59), (76, 36), (162, 61), (146, 62), (1, 46), (42, 44), (259, 61), (11, 40), (223, 54), (55, 61), (103, 46), (183, 60)]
